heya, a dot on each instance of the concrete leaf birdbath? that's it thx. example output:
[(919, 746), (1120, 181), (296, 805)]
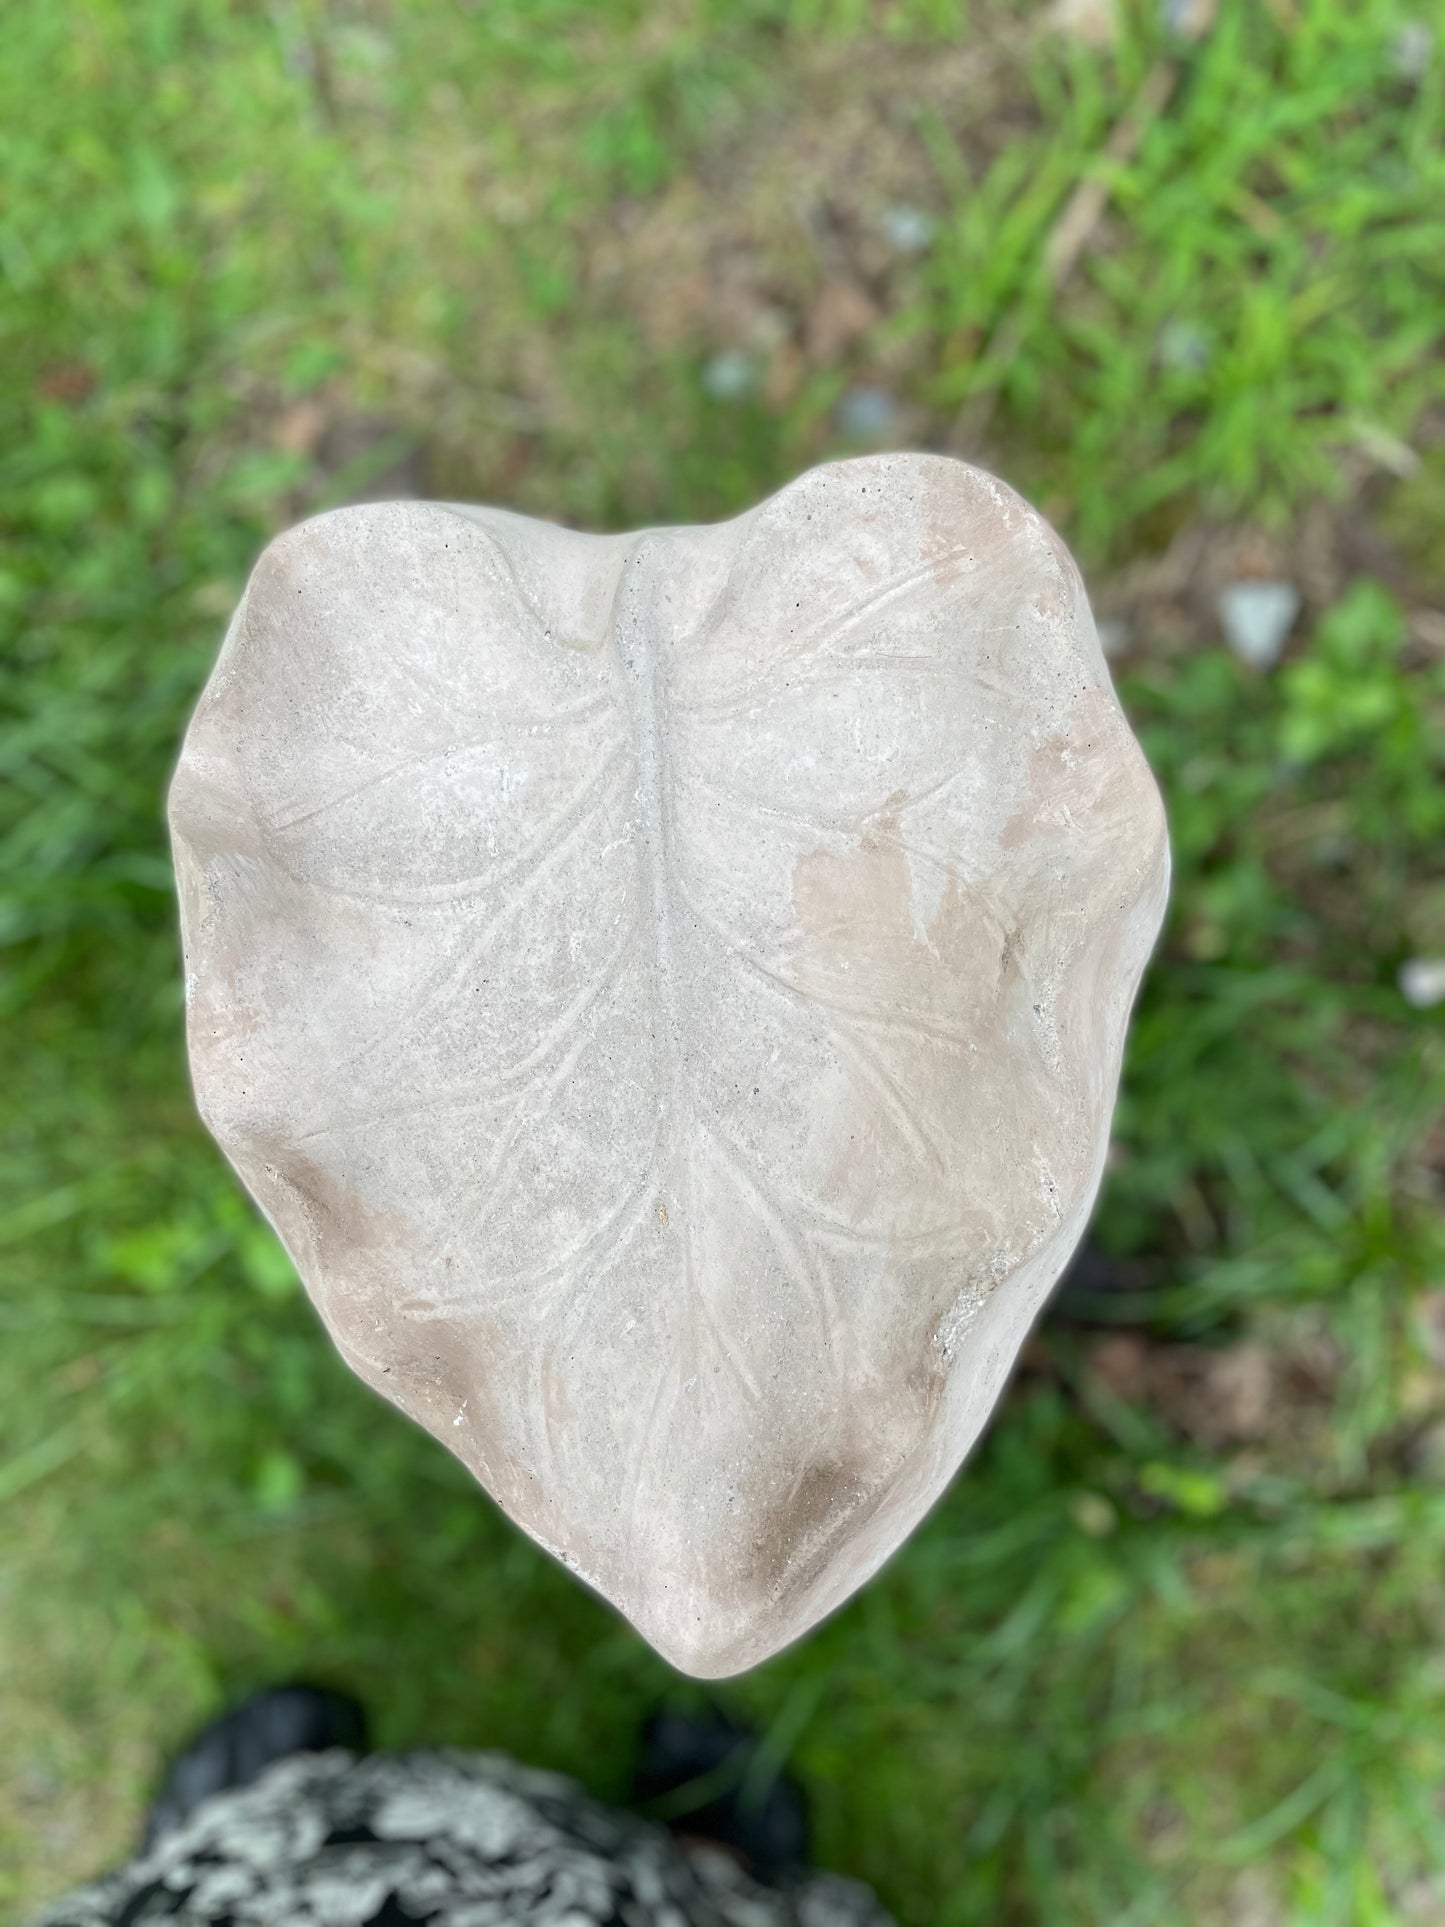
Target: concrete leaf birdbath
[(667, 992)]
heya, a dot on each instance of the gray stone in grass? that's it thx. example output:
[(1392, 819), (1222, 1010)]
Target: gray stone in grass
[(667, 992), (1183, 345), (1412, 53), (731, 375), (1256, 618), (867, 414), (1422, 982), (1188, 19), (908, 229)]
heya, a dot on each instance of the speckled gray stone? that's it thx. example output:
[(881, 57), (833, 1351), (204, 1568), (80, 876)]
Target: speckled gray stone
[(667, 992)]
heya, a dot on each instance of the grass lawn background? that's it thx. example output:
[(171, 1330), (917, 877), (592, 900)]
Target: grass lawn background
[(1173, 1647)]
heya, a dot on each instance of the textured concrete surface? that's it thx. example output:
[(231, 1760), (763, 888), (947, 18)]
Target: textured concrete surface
[(667, 991)]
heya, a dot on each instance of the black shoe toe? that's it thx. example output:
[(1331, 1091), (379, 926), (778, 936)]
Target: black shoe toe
[(700, 1777), (237, 1747)]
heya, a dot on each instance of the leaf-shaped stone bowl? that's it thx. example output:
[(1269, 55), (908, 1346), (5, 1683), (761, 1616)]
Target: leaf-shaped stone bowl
[(667, 991)]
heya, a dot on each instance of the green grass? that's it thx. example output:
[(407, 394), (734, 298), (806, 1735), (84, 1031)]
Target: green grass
[(1118, 1677)]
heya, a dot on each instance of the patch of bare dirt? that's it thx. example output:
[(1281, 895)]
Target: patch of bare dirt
[(1220, 1398)]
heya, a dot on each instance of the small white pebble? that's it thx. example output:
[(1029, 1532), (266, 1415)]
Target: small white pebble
[(1422, 982), (1183, 344), (1189, 19), (730, 375), (908, 229), (1093, 23), (1413, 52), (1256, 618), (867, 414)]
